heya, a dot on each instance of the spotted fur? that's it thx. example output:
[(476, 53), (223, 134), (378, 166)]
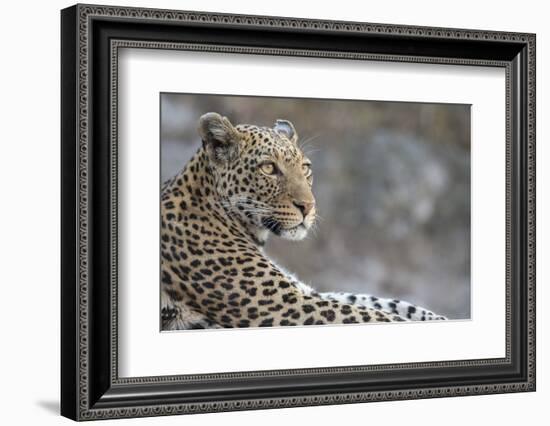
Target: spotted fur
[(244, 184)]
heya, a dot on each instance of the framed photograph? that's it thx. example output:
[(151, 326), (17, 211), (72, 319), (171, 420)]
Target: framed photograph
[(263, 212)]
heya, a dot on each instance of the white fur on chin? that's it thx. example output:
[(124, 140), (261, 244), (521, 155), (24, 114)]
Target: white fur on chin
[(295, 234)]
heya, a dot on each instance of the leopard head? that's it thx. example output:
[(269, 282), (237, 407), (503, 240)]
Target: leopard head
[(260, 175)]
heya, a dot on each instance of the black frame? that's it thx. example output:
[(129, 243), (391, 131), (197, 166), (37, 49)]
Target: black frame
[(90, 37)]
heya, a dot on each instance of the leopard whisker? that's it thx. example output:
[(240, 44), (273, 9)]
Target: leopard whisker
[(311, 151), (254, 209), (249, 201), (307, 141), (318, 218)]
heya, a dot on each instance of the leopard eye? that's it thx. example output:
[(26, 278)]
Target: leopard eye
[(268, 168)]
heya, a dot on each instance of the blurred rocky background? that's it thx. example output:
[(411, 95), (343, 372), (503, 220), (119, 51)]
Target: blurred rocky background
[(392, 183)]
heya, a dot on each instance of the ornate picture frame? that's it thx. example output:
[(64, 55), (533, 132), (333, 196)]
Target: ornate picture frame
[(91, 37)]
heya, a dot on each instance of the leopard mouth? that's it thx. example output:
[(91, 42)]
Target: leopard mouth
[(295, 233), (279, 230)]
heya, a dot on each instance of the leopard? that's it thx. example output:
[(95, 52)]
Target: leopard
[(244, 184)]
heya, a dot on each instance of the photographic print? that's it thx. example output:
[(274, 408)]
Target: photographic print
[(293, 212), (278, 185)]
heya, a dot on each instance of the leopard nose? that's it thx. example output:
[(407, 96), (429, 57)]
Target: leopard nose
[(304, 206)]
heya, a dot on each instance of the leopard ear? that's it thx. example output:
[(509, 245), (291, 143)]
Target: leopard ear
[(219, 138), (286, 129)]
